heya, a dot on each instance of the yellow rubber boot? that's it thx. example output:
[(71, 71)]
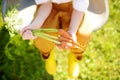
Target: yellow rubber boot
[(50, 63), (73, 67)]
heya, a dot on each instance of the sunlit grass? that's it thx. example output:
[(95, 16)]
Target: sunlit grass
[(1, 20)]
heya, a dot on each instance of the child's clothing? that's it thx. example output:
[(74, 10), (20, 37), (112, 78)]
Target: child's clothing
[(80, 5), (60, 18)]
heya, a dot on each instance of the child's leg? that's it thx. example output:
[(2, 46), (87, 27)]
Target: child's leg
[(83, 40), (44, 45), (76, 54)]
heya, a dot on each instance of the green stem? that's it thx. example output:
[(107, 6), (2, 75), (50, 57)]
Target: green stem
[(47, 30), (47, 35), (43, 35)]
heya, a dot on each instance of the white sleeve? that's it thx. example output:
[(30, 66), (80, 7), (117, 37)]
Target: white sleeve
[(81, 5), (41, 1)]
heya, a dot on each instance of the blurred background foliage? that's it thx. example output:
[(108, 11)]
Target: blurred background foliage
[(20, 60)]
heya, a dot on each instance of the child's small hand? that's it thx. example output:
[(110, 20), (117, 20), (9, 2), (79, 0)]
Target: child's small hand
[(67, 40), (27, 33)]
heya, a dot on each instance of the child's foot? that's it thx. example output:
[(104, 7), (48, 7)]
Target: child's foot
[(50, 63), (73, 67)]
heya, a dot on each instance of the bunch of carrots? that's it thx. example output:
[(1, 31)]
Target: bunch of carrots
[(42, 32)]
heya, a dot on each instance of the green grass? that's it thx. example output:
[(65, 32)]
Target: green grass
[(1, 20), (20, 60)]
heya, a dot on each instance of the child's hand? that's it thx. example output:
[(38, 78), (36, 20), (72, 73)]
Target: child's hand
[(67, 40), (27, 33)]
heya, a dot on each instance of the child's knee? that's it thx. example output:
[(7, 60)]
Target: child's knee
[(83, 39), (43, 45)]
